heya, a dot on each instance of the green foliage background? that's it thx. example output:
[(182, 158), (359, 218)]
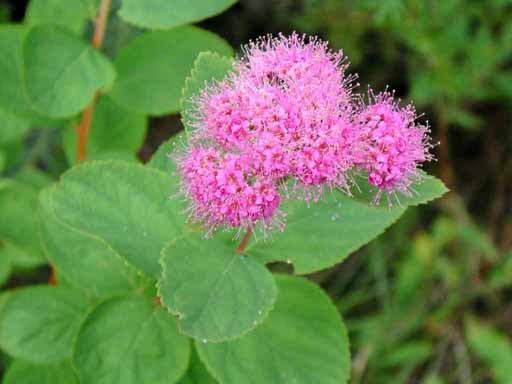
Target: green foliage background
[(429, 301)]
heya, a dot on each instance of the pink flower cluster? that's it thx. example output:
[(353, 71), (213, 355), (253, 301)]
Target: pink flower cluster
[(392, 145), (287, 113)]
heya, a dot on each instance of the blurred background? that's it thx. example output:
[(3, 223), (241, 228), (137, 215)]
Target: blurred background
[(430, 301)]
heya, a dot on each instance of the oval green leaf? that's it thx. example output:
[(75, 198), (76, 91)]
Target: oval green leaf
[(152, 68), (62, 71), (84, 260), (130, 341), (125, 204), (160, 14), (216, 293), (38, 324), (302, 341)]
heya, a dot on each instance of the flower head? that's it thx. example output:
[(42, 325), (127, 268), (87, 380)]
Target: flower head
[(224, 191), (283, 113), (392, 144), (286, 112)]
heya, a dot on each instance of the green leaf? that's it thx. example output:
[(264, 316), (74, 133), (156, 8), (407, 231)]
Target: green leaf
[(70, 14), (114, 129), (21, 372), (38, 324), (216, 293), (131, 341), (161, 158), (13, 128), (428, 188), (323, 234), (492, 347), (152, 68), (302, 341), (208, 67), (63, 72), (197, 372), (18, 224), (13, 96), (125, 204), (159, 14), (84, 260)]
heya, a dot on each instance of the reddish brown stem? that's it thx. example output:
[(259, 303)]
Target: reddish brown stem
[(245, 240), (101, 23), (82, 130), (52, 280)]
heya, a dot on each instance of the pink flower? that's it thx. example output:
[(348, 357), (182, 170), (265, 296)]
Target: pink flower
[(224, 191), (392, 144), (284, 113)]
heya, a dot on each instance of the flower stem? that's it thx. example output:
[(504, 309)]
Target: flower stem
[(101, 23), (245, 240), (52, 280), (82, 130)]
